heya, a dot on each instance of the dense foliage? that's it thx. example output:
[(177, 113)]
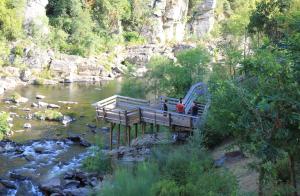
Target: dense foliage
[(172, 78), (259, 101), (171, 173), (255, 89)]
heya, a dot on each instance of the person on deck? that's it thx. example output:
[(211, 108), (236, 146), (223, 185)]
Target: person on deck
[(194, 109), (165, 107), (180, 107)]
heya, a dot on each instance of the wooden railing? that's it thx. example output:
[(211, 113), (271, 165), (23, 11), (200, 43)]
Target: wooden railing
[(121, 101), (194, 92), (147, 115)]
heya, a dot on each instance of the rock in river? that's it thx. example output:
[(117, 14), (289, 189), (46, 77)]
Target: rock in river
[(68, 102), (43, 104), (66, 120), (35, 105), (40, 97), (53, 106), (17, 176), (8, 184), (79, 140), (91, 126), (27, 126), (21, 100)]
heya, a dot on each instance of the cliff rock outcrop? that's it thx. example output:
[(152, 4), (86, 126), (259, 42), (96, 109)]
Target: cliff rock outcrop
[(169, 20), (35, 18), (203, 19)]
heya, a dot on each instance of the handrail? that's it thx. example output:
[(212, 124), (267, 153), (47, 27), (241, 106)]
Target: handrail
[(99, 103), (191, 94), (133, 99)]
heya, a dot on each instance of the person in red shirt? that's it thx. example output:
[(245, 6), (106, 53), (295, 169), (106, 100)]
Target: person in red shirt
[(180, 107)]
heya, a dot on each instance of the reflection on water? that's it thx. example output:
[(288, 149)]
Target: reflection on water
[(83, 93)]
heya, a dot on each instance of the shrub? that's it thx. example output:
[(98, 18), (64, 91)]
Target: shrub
[(173, 173), (39, 81), (99, 163), (18, 50), (4, 126), (133, 37), (129, 183), (213, 182), (51, 115), (15, 96), (45, 74), (166, 188)]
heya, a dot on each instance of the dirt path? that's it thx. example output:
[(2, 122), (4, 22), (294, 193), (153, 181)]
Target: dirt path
[(239, 166)]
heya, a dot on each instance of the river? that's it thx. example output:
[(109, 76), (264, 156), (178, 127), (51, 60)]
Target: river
[(57, 156)]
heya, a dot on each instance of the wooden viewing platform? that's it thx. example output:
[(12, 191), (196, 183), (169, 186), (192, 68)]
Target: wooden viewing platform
[(128, 112)]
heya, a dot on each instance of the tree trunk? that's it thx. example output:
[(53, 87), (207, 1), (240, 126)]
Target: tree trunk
[(260, 182), (292, 174)]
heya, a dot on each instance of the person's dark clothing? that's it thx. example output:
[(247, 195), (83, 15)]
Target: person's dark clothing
[(195, 109), (165, 107)]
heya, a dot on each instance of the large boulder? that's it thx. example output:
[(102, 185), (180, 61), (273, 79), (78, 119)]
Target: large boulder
[(8, 184), (25, 75), (16, 176)]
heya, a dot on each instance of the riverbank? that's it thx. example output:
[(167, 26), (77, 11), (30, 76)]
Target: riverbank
[(64, 177)]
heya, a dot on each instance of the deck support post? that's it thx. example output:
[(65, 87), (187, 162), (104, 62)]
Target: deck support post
[(126, 127), (104, 113), (119, 134), (125, 135), (111, 135), (157, 128), (136, 130), (128, 137), (140, 115), (143, 128), (170, 122)]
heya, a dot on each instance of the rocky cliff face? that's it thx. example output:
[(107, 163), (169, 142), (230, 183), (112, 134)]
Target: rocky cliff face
[(203, 20), (35, 18), (169, 20)]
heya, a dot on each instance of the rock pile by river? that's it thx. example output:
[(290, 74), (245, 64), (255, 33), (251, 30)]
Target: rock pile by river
[(36, 155), (65, 178)]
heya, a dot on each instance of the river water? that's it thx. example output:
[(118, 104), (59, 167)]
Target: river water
[(60, 156)]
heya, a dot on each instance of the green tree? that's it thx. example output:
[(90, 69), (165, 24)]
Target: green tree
[(11, 19), (174, 79)]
